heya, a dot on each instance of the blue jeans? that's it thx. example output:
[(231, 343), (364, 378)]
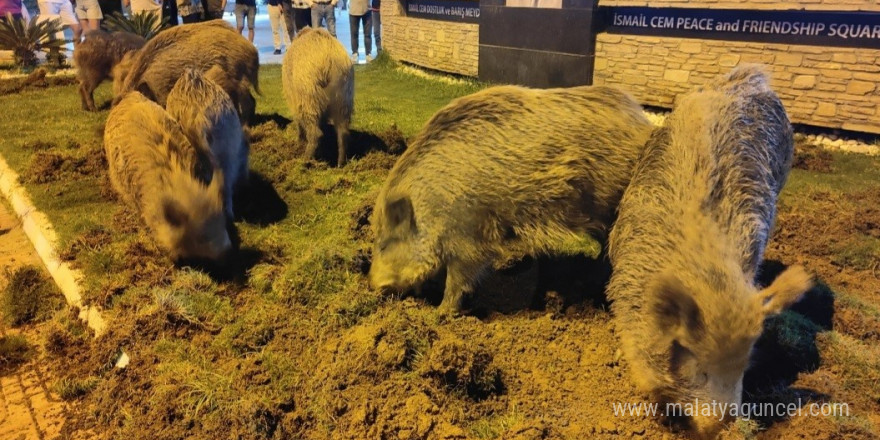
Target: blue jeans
[(354, 22), (325, 12)]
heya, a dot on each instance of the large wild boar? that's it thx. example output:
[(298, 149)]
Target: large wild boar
[(208, 117), (688, 240), (175, 187), (96, 57), (318, 81), (200, 46), (502, 173)]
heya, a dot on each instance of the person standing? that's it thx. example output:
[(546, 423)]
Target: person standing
[(246, 8), (13, 7), (359, 12), (64, 9), (323, 10), (377, 25), (190, 10), (275, 20), (89, 14)]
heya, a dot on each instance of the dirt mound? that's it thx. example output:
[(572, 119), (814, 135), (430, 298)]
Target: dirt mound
[(812, 158), (827, 229), (35, 80), (46, 167)]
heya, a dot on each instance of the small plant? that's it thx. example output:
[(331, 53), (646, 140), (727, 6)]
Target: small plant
[(71, 388), (14, 350), (25, 38), (143, 23), (29, 296)]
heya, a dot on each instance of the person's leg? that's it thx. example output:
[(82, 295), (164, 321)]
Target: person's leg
[(252, 15), (353, 21), (316, 16), (368, 34), (239, 17), (95, 15), (330, 16), (65, 10), (285, 41), (377, 30), (289, 18), (275, 23), (169, 11)]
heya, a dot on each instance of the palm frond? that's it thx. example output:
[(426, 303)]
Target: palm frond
[(24, 38), (144, 24)]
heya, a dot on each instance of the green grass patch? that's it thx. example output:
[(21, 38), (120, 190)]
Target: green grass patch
[(71, 388)]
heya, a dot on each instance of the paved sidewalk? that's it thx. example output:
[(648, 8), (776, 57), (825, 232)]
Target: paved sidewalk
[(28, 409)]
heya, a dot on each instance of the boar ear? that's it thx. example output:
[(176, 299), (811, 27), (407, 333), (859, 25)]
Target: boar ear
[(785, 290), (174, 213), (673, 309), (400, 213)]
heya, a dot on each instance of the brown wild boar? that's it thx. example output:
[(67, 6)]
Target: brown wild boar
[(505, 172), (318, 81), (96, 57), (175, 187), (199, 46), (688, 240), (208, 117)]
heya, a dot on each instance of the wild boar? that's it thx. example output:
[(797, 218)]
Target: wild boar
[(503, 173), (177, 189), (199, 46), (318, 81), (690, 234), (96, 57), (207, 116)]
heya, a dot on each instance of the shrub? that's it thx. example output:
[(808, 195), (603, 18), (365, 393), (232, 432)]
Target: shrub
[(143, 23), (25, 38)]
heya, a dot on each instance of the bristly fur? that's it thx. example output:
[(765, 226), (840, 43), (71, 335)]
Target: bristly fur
[(505, 172), (208, 117), (156, 170), (690, 234), (318, 81), (96, 57), (199, 46)]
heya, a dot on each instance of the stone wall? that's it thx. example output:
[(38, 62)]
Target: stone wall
[(441, 45), (825, 86)]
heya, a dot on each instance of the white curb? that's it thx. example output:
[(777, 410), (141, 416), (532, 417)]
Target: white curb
[(43, 237)]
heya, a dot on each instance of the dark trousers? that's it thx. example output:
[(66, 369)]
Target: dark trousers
[(354, 21), (169, 11), (192, 18), (303, 18), (377, 30)]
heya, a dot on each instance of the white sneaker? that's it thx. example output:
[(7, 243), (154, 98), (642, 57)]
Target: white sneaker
[(369, 58), (354, 58)]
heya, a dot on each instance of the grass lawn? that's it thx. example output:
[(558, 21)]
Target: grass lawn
[(293, 343)]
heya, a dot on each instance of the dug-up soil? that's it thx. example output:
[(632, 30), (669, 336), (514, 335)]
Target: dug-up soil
[(29, 409), (538, 362)]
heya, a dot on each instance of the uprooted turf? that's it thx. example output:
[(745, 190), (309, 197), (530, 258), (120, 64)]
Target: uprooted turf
[(293, 344)]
